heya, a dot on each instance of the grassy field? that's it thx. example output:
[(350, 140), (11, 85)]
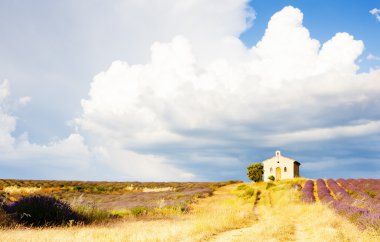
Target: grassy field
[(111, 196), (236, 212), (207, 217), (282, 217)]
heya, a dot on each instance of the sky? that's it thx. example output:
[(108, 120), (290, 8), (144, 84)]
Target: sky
[(188, 90)]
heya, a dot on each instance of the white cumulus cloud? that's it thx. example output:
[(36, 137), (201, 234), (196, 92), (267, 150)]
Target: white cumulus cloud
[(200, 101), (177, 103), (375, 12), (24, 100), (372, 57)]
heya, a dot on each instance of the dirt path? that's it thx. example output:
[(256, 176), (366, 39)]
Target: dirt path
[(232, 235), (280, 217)]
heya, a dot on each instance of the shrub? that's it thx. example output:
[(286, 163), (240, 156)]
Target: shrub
[(139, 211), (93, 214), (297, 186), (249, 192), (371, 194), (78, 188), (255, 172), (5, 219), (271, 178), (241, 187), (42, 211), (269, 185)]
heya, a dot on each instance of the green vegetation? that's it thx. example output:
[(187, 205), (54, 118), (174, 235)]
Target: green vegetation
[(255, 172), (269, 185), (6, 220), (242, 212), (96, 202), (371, 193)]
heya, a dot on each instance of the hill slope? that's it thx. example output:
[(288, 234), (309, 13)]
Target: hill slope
[(238, 212)]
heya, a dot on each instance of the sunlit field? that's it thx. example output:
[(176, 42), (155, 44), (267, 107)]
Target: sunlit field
[(276, 211)]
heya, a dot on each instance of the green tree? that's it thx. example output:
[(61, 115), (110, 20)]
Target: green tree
[(255, 172)]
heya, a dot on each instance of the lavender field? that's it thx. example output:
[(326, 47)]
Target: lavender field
[(356, 199)]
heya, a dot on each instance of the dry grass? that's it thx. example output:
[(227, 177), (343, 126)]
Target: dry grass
[(281, 217), (149, 189), (21, 190), (226, 216), (158, 189), (212, 215)]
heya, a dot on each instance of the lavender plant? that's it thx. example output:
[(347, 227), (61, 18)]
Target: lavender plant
[(362, 199), (323, 192), (363, 217), (307, 192), (339, 192), (42, 211)]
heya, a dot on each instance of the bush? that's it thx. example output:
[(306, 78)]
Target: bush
[(297, 186), (5, 219), (42, 211), (371, 194), (255, 172), (249, 192), (139, 211), (93, 214), (269, 185), (241, 187), (271, 178)]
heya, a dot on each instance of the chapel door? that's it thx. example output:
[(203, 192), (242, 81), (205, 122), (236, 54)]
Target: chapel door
[(278, 173)]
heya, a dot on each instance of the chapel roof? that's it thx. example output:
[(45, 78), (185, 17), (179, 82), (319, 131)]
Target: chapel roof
[(279, 156)]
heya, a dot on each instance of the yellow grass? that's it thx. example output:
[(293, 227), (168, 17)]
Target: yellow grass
[(282, 217), (227, 216), (158, 189), (149, 189), (21, 190), (212, 215)]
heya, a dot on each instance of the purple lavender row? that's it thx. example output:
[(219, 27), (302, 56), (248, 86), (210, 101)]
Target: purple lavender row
[(323, 192), (356, 190), (339, 192), (371, 186), (361, 198), (362, 217), (307, 192)]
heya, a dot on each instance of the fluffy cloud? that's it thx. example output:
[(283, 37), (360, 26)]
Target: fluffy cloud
[(318, 134), (66, 154), (288, 88), (375, 12), (205, 105), (372, 57), (24, 100), (7, 122), (71, 158), (137, 24)]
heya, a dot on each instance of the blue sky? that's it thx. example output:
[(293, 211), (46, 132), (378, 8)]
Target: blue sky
[(188, 90), (324, 19)]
